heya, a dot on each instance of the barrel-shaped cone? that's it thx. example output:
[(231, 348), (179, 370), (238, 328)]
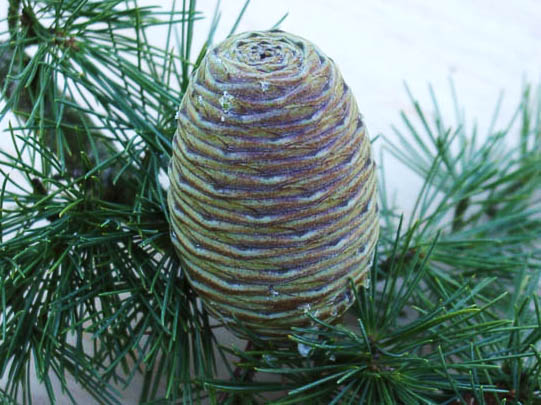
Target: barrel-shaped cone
[(273, 187)]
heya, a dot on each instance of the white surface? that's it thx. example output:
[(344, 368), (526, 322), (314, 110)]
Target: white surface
[(484, 46)]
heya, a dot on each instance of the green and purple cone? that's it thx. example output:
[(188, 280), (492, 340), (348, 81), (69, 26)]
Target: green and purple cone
[(273, 188)]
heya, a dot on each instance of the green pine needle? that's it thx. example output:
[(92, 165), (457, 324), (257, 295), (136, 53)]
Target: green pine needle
[(91, 288)]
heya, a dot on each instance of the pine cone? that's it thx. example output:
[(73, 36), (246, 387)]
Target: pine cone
[(273, 188)]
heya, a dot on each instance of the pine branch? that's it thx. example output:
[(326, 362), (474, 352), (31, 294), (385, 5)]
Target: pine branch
[(86, 255), (83, 154), (70, 136)]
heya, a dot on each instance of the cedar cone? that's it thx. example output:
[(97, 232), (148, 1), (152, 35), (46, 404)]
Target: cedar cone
[(273, 188)]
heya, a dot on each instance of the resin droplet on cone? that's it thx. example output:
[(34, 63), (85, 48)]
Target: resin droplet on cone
[(273, 188)]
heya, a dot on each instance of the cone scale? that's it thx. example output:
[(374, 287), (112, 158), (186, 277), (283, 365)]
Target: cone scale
[(273, 188)]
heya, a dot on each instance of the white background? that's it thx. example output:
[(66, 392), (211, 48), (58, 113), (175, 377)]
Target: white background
[(483, 46)]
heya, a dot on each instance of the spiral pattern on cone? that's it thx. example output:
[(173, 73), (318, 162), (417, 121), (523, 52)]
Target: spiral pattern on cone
[(273, 188)]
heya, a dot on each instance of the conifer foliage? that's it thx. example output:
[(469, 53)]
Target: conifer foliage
[(91, 288)]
